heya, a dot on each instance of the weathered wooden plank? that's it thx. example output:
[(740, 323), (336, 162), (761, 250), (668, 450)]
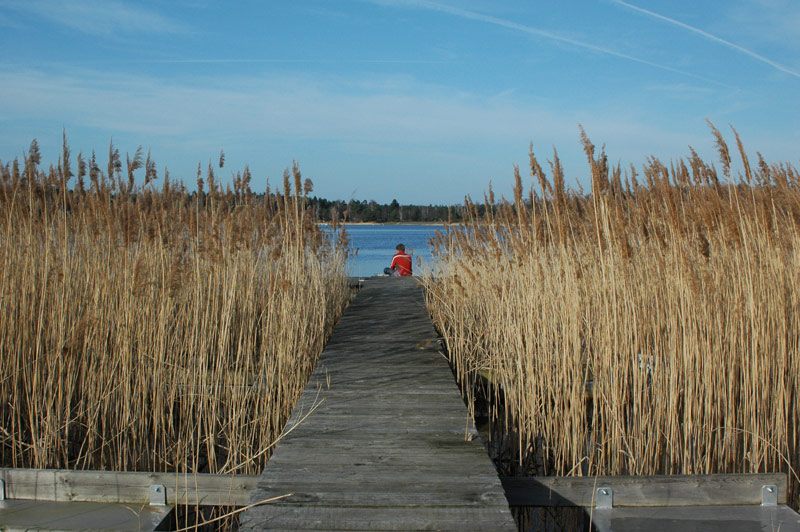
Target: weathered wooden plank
[(342, 393), (358, 436), (126, 487), (391, 389), (336, 379), (389, 519), (380, 424), (353, 488), (333, 458), (381, 477), (701, 518), (362, 433), (429, 412), (660, 490), (17, 515), (352, 371), (369, 479), (355, 495), (389, 444)]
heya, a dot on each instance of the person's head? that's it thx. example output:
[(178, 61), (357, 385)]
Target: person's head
[(400, 247)]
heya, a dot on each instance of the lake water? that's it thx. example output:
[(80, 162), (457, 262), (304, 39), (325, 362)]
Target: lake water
[(376, 245)]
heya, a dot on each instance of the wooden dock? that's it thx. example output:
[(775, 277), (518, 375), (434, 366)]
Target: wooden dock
[(664, 503), (381, 438), (62, 499)]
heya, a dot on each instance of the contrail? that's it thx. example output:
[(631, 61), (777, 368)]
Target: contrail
[(463, 13), (222, 60), (709, 36)]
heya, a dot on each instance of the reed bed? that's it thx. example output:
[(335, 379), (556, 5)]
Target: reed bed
[(145, 328), (648, 326)]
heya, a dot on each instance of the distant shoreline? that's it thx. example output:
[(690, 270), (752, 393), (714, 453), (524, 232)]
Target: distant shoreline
[(441, 224)]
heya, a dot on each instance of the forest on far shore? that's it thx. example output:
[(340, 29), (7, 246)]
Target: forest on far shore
[(371, 211)]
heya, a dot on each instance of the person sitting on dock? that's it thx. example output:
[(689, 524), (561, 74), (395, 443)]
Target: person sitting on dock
[(401, 263)]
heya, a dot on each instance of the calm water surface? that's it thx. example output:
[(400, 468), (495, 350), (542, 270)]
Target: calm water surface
[(376, 245)]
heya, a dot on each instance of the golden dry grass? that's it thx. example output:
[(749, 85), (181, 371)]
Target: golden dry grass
[(149, 329), (651, 326)]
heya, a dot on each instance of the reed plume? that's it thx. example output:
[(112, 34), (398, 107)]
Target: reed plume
[(152, 329), (637, 329)]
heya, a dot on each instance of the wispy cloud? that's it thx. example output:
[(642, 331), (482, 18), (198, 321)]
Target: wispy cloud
[(98, 17), (531, 30), (709, 36), (389, 108), (680, 91), (773, 21), (281, 60), (320, 121), (297, 109)]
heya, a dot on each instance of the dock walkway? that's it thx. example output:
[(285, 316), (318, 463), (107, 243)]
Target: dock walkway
[(381, 438)]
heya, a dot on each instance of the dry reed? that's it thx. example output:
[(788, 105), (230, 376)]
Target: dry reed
[(651, 326), (150, 329)]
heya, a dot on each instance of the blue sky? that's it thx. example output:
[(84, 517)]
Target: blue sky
[(419, 101)]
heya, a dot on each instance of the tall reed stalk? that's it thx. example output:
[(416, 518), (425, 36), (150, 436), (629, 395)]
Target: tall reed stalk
[(650, 326), (150, 329)]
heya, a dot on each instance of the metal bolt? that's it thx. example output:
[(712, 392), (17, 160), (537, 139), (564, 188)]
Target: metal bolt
[(604, 497), (769, 495), (158, 495)]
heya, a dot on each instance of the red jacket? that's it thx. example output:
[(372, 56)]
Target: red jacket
[(401, 263)]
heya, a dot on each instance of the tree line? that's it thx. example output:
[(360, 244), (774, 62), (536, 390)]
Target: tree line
[(371, 211)]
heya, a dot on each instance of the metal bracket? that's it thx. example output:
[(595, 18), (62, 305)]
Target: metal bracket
[(769, 495), (2, 490), (158, 495), (604, 498)]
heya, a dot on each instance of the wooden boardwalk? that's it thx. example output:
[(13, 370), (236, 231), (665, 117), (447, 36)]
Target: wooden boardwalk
[(381, 439)]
